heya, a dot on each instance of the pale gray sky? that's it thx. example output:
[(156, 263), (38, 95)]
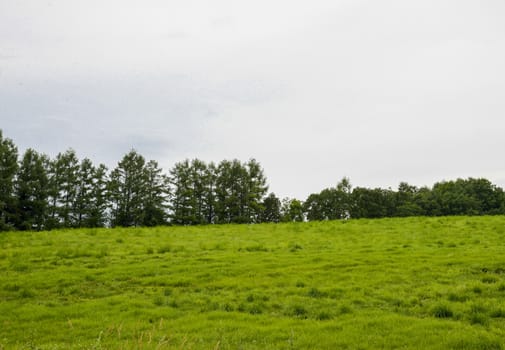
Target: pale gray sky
[(379, 91)]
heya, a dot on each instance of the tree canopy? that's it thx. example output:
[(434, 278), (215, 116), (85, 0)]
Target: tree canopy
[(38, 193)]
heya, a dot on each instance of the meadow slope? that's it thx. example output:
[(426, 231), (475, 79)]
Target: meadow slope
[(415, 283)]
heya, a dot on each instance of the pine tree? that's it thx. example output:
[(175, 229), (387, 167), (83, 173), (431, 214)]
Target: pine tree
[(127, 190), (229, 191), (197, 174), (156, 195), (240, 189), (84, 191), (8, 169), (99, 198), (31, 191), (256, 190), (182, 200), (63, 186), (209, 199), (69, 187)]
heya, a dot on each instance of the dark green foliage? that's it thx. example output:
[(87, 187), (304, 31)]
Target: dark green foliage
[(127, 190), (31, 192), (154, 204), (272, 209), (460, 197), (466, 197), (331, 203), (232, 192), (39, 193), (192, 193), (99, 200), (137, 192), (372, 203), (8, 169), (84, 193)]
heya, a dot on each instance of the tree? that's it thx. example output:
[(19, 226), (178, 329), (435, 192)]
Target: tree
[(8, 169), (312, 207), (344, 191), (127, 190), (69, 187), (272, 209), (372, 203), (405, 201), (210, 178), (156, 193), (467, 197), (82, 205), (240, 189), (197, 182), (182, 201), (99, 198), (231, 192), (31, 191), (292, 210), (256, 188), (63, 175)]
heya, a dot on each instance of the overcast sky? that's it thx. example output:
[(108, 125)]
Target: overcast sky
[(378, 91)]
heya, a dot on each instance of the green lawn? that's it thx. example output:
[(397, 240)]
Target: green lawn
[(416, 283)]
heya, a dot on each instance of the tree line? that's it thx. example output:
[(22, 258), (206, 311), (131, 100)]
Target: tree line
[(40, 193)]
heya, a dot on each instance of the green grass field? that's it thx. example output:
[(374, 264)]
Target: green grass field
[(417, 283)]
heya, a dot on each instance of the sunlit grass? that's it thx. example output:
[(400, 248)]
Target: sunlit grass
[(436, 283)]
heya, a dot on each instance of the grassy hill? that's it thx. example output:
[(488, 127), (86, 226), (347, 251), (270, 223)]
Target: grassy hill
[(416, 283)]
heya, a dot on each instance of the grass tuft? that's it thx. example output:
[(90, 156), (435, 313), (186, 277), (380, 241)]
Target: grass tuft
[(442, 311)]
